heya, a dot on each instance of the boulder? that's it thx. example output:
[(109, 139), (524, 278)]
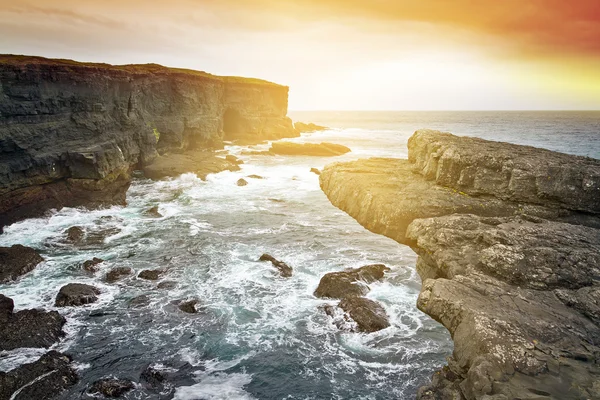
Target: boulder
[(241, 182), (45, 378), (233, 159), (153, 212), (308, 149), (189, 306), (255, 177), (139, 301), (369, 315), (350, 282), (92, 265), (76, 294), (308, 127), (166, 285), (315, 171), (117, 273), (284, 269), (111, 387), (74, 234), (17, 260), (151, 274), (202, 163)]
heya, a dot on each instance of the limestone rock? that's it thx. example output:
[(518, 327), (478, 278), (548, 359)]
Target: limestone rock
[(241, 182), (76, 294), (369, 315), (315, 171), (150, 274), (17, 260), (308, 149), (92, 265), (284, 270), (117, 273), (350, 282), (202, 163), (308, 127)]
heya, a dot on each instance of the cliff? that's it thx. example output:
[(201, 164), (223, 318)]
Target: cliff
[(508, 245), (70, 132)]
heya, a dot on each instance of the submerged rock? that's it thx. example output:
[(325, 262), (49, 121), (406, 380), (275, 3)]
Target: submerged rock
[(111, 387), (284, 270), (28, 328), (117, 273), (308, 127), (369, 315), (75, 234), (17, 260), (166, 285), (153, 212), (92, 265), (151, 274), (45, 378), (233, 159), (139, 301), (76, 294), (255, 176), (201, 163), (308, 149), (241, 182), (350, 282), (189, 306)]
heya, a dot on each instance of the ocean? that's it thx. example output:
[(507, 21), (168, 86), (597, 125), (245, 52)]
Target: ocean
[(258, 335)]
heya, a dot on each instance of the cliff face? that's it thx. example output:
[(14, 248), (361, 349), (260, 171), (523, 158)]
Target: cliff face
[(508, 244), (71, 132)]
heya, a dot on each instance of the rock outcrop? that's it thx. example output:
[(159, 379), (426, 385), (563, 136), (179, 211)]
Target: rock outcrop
[(45, 378), (71, 132), (17, 260), (284, 270), (199, 162), (508, 245), (308, 149), (350, 282), (76, 294), (308, 127)]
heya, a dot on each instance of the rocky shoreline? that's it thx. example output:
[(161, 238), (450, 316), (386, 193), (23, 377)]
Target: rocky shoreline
[(508, 245)]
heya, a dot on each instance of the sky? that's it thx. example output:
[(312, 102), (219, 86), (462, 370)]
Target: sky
[(340, 54)]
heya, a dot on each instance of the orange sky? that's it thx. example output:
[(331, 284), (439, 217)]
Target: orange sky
[(341, 54)]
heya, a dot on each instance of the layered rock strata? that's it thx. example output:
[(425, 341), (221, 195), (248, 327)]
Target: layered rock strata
[(70, 132), (509, 250)]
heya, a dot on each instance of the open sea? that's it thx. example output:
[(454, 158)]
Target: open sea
[(257, 335)]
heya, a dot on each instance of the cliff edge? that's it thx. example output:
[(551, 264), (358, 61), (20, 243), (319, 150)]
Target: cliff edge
[(508, 241), (70, 132)]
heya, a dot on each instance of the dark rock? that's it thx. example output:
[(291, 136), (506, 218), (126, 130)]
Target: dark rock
[(241, 182), (350, 282), (96, 238), (153, 377), (369, 315), (201, 163), (514, 283), (73, 138), (43, 379), (75, 234), (284, 269), (307, 128), (153, 212), (28, 328), (76, 294), (189, 306), (92, 265), (315, 171), (151, 274), (308, 149), (139, 301), (255, 177), (166, 285), (233, 159), (117, 273), (111, 387), (17, 260)]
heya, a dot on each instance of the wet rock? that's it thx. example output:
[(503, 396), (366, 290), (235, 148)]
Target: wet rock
[(117, 273), (74, 234), (28, 328), (139, 301), (241, 182), (76, 294), (350, 282), (200, 162), (369, 315), (315, 171), (151, 274), (97, 237), (308, 149), (153, 212), (257, 153), (189, 306), (308, 127), (92, 265), (45, 378), (153, 377), (166, 285), (256, 177), (233, 159), (17, 260), (111, 387), (284, 269)]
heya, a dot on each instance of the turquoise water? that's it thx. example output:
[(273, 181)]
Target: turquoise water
[(258, 336)]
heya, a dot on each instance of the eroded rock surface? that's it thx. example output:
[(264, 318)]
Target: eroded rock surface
[(76, 294), (284, 270), (508, 245), (308, 149), (350, 282), (44, 379), (201, 163), (17, 260), (369, 315), (308, 127)]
